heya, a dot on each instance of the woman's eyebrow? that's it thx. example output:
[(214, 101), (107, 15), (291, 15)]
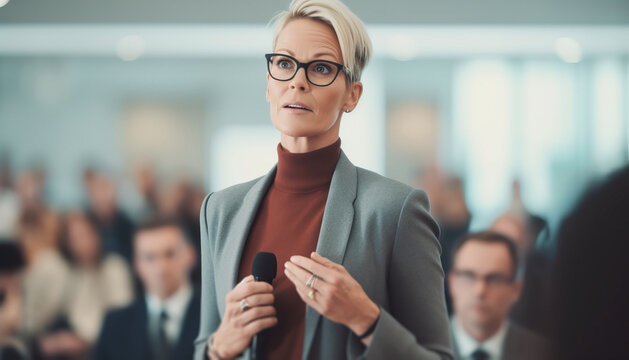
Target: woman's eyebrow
[(315, 56), (324, 54), (286, 51)]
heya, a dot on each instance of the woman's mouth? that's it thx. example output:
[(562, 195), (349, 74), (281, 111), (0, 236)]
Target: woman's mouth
[(297, 108)]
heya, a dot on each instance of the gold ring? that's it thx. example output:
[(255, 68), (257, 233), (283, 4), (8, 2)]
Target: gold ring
[(311, 294)]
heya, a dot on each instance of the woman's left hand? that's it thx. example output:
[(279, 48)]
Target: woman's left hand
[(334, 293)]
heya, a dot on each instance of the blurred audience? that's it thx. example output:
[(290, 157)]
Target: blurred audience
[(97, 282), (532, 310), (146, 185), (9, 202), (11, 266), (182, 200), (483, 284), (57, 283), (115, 227), (590, 312), (448, 206), (46, 272), (163, 323), (37, 225)]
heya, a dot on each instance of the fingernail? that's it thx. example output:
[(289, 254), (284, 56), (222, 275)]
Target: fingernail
[(286, 264), (292, 258)]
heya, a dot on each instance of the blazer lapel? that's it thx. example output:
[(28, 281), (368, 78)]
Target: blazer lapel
[(337, 222), (139, 324), (229, 261), (189, 328)]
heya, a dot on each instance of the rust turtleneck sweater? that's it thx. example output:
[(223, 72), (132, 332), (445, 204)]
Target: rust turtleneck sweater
[(288, 223)]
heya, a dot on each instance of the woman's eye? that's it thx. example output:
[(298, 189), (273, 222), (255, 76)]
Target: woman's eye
[(321, 68), (284, 64)]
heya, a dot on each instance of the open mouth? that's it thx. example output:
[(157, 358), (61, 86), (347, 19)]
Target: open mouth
[(296, 107)]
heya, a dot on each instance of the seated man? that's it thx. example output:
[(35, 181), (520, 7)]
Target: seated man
[(483, 286), (163, 323)]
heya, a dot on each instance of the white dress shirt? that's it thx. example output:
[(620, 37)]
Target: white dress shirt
[(175, 306), (467, 344)]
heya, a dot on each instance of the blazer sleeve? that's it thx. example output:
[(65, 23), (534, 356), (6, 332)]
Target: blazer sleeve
[(416, 324), (210, 317)]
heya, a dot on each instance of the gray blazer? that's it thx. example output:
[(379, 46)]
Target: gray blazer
[(380, 230), (519, 344)]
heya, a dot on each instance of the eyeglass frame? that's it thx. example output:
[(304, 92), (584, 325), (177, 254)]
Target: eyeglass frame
[(492, 280), (305, 66)]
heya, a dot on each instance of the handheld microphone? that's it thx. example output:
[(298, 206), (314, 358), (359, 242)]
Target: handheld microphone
[(264, 268)]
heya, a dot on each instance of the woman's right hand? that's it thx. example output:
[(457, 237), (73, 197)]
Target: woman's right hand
[(238, 326)]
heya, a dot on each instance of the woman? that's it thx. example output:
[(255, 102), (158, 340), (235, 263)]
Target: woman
[(358, 249), (96, 284)]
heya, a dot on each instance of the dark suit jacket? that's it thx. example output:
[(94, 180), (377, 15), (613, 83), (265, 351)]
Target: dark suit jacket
[(520, 344), (125, 333)]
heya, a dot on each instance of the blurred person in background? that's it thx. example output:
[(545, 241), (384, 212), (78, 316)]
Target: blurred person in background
[(590, 312), (145, 182), (527, 230), (11, 266), (483, 284), (448, 206), (33, 210), (97, 282), (46, 272), (163, 323), (116, 228), (9, 201), (182, 200)]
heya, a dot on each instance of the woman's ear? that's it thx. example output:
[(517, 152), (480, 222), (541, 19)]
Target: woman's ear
[(267, 87), (355, 91)]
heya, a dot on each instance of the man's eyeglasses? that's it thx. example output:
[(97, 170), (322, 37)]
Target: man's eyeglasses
[(318, 72), (469, 278)]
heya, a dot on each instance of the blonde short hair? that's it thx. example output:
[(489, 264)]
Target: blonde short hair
[(350, 30)]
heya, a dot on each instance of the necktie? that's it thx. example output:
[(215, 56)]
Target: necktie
[(163, 346), (480, 354)]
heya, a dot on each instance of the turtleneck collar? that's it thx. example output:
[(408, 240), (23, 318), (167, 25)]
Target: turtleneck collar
[(306, 172)]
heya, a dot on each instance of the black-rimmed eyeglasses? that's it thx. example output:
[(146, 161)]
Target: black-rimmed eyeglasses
[(318, 72)]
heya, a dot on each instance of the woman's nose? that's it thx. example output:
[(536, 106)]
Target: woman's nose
[(300, 81)]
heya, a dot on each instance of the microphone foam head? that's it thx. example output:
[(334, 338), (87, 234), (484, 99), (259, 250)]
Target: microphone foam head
[(264, 267)]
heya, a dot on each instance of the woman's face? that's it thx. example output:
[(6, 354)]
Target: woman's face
[(318, 124), (83, 241)]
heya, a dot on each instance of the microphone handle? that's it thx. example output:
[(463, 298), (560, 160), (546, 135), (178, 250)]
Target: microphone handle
[(257, 342), (257, 349)]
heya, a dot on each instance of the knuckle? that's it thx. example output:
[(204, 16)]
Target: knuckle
[(258, 312)]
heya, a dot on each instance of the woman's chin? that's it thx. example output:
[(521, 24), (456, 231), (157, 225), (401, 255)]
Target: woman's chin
[(295, 131)]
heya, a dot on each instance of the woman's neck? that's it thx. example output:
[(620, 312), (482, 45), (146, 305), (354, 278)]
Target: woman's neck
[(298, 145)]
